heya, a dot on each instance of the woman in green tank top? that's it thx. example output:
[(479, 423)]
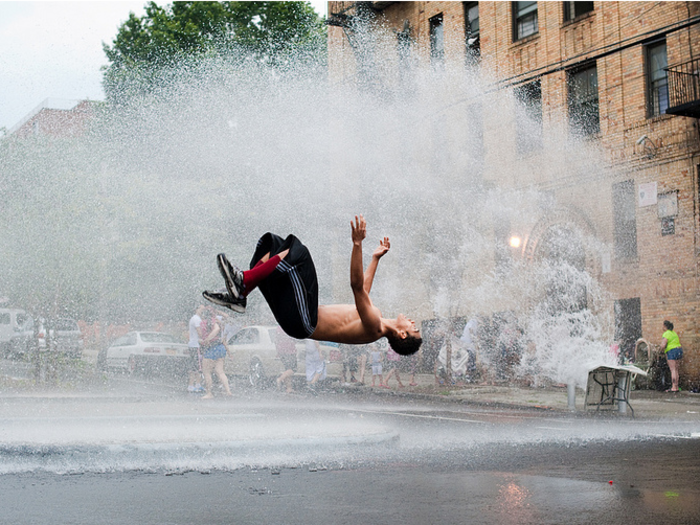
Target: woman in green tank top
[(671, 346)]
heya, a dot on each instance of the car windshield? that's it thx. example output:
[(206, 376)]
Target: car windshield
[(245, 337), (154, 337), (25, 321), (66, 325)]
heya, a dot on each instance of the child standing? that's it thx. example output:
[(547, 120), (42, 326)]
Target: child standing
[(375, 358)]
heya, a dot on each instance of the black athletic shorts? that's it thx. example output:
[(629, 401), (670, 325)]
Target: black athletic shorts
[(291, 290)]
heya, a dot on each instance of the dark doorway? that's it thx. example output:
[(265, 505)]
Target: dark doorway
[(628, 324)]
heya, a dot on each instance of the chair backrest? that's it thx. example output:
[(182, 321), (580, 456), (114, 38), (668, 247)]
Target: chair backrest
[(644, 354)]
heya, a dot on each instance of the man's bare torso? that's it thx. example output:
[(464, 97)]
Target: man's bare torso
[(341, 323)]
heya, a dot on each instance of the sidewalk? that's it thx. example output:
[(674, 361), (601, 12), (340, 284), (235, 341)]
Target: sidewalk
[(645, 403)]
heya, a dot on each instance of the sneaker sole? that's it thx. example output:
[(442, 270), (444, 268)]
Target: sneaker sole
[(238, 308), (225, 269)]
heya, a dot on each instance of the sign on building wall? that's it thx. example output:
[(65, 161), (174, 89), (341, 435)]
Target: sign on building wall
[(647, 194), (668, 205)]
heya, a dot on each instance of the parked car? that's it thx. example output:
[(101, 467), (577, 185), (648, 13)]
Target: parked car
[(153, 351), (16, 332), (59, 335), (252, 353)]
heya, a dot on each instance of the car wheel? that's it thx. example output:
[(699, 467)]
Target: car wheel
[(256, 374)]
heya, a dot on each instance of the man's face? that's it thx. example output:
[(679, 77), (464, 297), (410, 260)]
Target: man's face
[(407, 325)]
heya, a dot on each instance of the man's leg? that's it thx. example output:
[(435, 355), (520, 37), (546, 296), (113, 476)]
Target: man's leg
[(266, 265), (240, 283)]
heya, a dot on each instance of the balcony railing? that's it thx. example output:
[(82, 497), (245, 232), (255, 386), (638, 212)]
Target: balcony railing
[(684, 89)]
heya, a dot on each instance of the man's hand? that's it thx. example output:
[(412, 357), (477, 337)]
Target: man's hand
[(382, 248), (359, 230)]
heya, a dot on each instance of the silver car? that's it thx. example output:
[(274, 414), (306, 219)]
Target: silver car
[(252, 353), (153, 351), (60, 335), (16, 332)]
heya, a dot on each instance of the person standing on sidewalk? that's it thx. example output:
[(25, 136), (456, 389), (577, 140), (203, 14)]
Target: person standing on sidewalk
[(194, 373), (375, 359), (315, 363), (214, 353), (393, 361), (351, 354), (671, 346)]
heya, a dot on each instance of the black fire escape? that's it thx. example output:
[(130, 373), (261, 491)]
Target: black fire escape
[(684, 89), (357, 21)]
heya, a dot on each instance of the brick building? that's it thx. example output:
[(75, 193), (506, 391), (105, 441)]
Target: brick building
[(623, 76), (56, 118)]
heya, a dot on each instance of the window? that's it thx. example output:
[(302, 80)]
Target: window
[(624, 220), (404, 43), (471, 22), (155, 337), (245, 337), (575, 9), (126, 340), (437, 40), (528, 117), (66, 325), (657, 79), (583, 101), (524, 19)]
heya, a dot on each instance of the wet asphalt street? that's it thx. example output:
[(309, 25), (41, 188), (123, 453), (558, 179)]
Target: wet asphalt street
[(140, 454), (653, 482)]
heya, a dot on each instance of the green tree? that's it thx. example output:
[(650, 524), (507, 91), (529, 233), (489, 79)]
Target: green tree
[(179, 35)]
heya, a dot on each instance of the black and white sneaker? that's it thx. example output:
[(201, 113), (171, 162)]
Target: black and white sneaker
[(223, 298), (233, 277)]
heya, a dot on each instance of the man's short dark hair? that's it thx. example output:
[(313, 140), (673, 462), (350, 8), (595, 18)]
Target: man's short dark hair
[(406, 346), (668, 325)]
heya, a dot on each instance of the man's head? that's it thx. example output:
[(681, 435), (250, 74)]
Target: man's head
[(406, 338), (668, 325), (208, 313)]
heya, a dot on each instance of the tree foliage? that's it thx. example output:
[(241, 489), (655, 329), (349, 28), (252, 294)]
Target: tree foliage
[(180, 34)]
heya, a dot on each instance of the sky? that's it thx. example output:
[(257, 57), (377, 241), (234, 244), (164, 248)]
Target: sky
[(54, 50)]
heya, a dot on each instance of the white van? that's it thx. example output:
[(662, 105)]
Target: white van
[(16, 331)]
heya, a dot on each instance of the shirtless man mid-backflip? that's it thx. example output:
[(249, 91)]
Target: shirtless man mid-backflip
[(285, 273)]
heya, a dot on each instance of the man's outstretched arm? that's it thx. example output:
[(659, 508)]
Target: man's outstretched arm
[(372, 266), (368, 315)]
